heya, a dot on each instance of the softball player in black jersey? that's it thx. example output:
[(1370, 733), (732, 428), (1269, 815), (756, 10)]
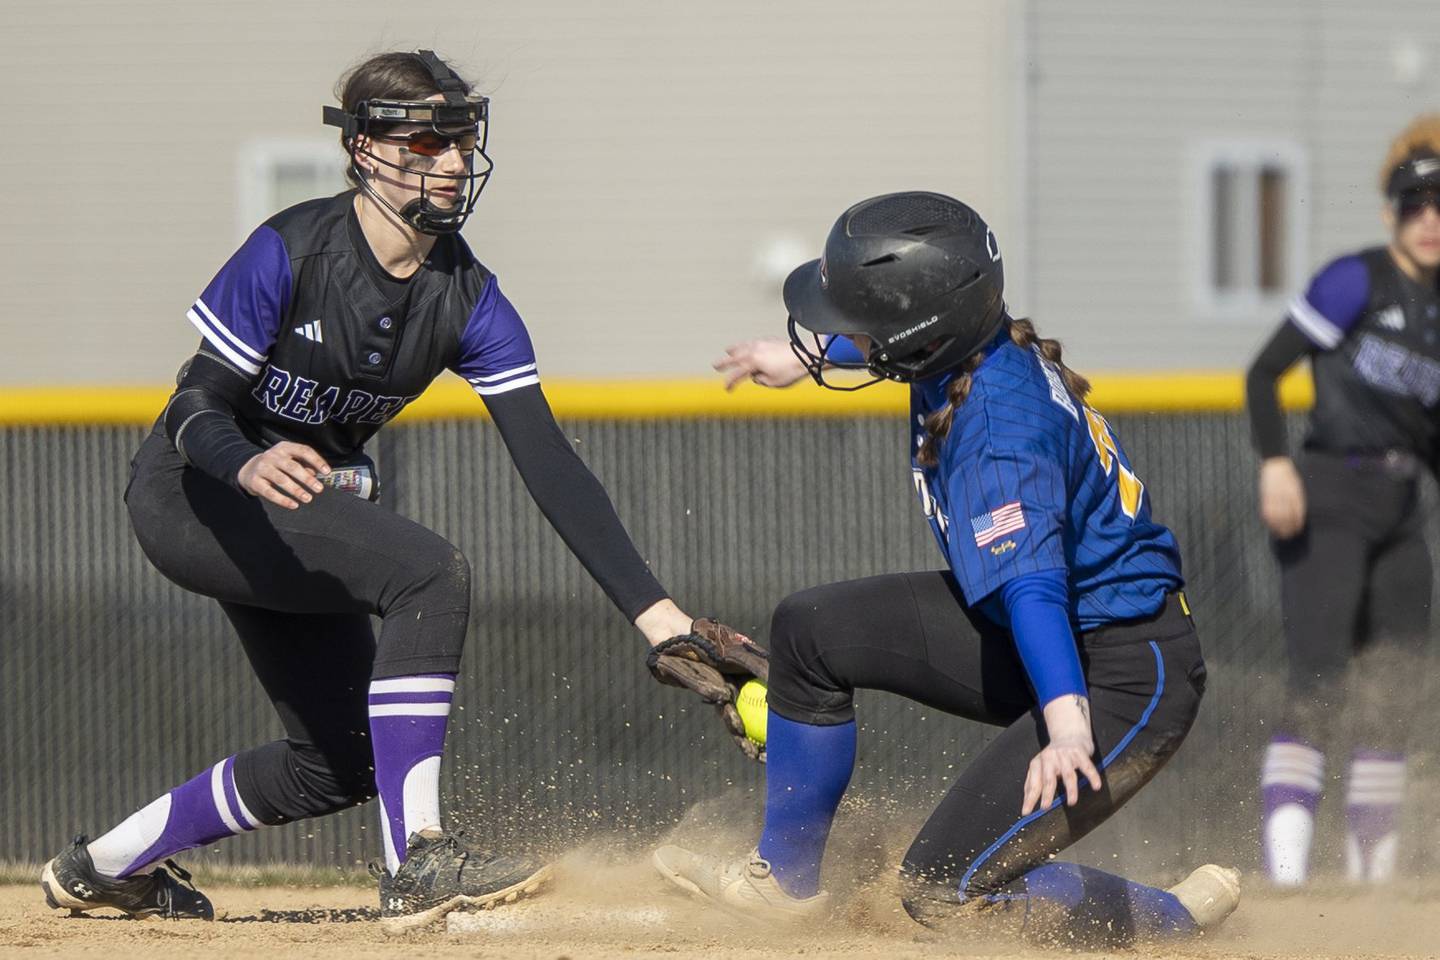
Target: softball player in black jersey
[(1355, 570), (331, 317)]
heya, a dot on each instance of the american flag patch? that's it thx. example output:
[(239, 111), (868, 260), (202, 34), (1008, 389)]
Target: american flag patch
[(997, 523)]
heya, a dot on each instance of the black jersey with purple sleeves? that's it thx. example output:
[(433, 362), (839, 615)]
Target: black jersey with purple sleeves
[(1377, 369), (336, 346)]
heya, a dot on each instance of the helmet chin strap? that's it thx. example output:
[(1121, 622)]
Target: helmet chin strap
[(419, 214)]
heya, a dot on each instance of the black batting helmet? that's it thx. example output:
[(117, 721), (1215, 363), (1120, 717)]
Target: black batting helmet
[(917, 273)]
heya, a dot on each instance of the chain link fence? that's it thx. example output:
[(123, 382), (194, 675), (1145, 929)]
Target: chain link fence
[(117, 684)]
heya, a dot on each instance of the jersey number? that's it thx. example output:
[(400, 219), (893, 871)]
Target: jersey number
[(1129, 486), (928, 504)]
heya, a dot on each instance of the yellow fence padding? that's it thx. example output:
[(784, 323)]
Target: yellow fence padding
[(451, 398)]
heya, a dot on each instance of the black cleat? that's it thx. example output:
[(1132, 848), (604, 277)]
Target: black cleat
[(440, 875), (71, 882)]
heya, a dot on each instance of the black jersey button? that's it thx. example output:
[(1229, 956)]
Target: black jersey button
[(373, 359), (386, 323)]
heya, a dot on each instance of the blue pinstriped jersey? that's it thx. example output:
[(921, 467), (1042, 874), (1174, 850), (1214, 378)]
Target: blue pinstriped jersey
[(1031, 479)]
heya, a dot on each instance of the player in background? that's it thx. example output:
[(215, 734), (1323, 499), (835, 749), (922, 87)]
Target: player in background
[(1355, 571), (1060, 618), (253, 488)]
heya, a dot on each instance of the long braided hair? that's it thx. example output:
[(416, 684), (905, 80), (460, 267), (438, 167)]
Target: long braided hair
[(1023, 335)]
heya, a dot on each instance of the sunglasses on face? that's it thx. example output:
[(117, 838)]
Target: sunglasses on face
[(428, 143), (1409, 205)]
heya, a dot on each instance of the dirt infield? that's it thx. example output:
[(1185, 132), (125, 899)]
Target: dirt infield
[(620, 910)]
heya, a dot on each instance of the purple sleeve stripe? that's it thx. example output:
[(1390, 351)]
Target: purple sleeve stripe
[(410, 710), (219, 342), (437, 696), (1315, 325), (492, 378), (491, 390), (224, 331)]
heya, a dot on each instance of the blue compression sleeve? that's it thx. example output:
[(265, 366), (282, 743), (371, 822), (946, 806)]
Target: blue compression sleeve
[(843, 350), (807, 768), (1036, 609)]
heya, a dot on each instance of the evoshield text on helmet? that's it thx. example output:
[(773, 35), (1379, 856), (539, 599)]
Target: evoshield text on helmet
[(459, 119), (918, 274)]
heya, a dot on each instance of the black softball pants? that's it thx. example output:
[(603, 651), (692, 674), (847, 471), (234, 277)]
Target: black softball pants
[(300, 586), (909, 634), (1355, 581)]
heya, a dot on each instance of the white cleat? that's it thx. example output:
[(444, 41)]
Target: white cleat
[(743, 887), (1211, 893)]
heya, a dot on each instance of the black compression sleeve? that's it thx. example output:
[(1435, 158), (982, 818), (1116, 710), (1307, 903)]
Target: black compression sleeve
[(573, 500), (200, 418), (1267, 424)]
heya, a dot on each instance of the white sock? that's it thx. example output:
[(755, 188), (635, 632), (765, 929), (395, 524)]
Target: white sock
[(1290, 785), (1289, 830), (118, 848), (1372, 814)]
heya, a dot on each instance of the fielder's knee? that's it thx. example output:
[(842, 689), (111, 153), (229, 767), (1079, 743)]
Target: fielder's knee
[(283, 781), (425, 624), (331, 783), (440, 580)]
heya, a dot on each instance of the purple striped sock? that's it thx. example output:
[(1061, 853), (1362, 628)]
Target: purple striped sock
[(1372, 814), (408, 716), (200, 811), (1290, 786)]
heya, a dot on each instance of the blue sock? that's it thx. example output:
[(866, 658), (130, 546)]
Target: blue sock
[(807, 769), (1098, 907)]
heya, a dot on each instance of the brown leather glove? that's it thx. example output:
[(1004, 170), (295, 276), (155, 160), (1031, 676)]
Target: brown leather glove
[(713, 661)]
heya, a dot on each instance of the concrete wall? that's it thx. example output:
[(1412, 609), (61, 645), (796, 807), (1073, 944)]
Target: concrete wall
[(652, 156)]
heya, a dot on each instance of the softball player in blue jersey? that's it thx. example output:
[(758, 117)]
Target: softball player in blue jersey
[(1355, 570), (1060, 618), (330, 318)]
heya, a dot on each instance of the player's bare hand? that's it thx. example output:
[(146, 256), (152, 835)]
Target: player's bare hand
[(1061, 762), (768, 361), (1282, 497), (286, 474), (1067, 757)]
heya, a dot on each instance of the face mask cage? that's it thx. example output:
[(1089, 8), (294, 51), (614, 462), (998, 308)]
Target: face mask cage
[(818, 356), (456, 118)]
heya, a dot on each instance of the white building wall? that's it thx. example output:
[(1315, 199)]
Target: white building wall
[(648, 154), (1120, 94)]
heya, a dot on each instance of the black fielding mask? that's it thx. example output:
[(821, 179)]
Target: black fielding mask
[(917, 273), (458, 117)]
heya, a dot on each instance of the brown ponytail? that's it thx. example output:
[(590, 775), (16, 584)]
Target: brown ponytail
[(1022, 334)]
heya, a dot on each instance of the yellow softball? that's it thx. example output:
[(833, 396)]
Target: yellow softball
[(750, 703)]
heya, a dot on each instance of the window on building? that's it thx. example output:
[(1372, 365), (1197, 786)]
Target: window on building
[(275, 174), (1250, 221)]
